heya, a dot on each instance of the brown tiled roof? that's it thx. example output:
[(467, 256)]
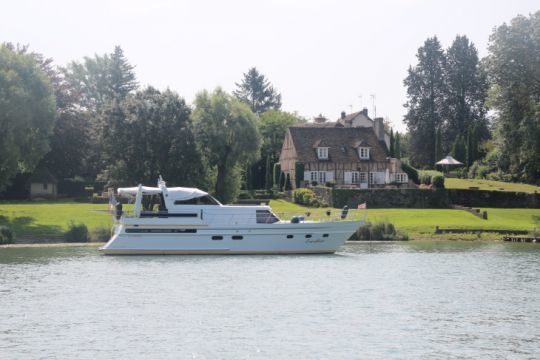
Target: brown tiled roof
[(326, 124), (342, 143)]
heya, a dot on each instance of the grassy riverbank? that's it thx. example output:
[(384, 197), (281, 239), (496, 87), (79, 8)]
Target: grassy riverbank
[(52, 219), (416, 221)]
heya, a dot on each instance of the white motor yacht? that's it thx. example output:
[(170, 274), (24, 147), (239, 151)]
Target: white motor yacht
[(180, 220)]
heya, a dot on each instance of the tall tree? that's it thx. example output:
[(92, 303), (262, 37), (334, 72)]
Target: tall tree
[(392, 144), (226, 130), (102, 78), (438, 145), (466, 91), (425, 98), (27, 112), (514, 73), (256, 91), (99, 81), (150, 134), (397, 146)]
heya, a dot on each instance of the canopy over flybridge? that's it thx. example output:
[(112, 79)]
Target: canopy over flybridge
[(174, 193)]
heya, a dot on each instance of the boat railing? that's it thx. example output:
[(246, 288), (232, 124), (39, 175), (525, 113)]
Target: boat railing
[(315, 215)]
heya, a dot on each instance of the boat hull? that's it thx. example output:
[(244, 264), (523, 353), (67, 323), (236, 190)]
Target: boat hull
[(278, 238)]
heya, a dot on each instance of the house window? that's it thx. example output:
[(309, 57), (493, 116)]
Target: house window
[(45, 186), (363, 152), (401, 178), (322, 177), (363, 177), (322, 152), (313, 176), (371, 178), (354, 177)]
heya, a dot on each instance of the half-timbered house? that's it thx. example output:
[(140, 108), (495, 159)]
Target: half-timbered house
[(347, 156)]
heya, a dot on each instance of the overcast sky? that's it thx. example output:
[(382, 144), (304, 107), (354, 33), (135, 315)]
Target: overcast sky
[(323, 56)]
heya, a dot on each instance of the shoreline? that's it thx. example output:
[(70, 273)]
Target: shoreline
[(348, 242)]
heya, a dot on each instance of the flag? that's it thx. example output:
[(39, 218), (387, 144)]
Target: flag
[(362, 206)]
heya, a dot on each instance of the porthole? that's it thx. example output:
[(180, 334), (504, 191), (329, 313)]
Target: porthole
[(308, 236)]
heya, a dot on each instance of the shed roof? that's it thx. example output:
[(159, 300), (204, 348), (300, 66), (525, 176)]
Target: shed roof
[(342, 143), (42, 175)]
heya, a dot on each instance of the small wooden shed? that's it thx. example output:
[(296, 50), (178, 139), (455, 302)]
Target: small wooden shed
[(42, 184)]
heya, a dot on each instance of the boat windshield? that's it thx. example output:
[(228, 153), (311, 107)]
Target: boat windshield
[(266, 217), (202, 200)]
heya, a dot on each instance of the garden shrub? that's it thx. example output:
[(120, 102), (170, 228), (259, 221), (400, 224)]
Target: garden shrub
[(411, 172), (307, 197), (378, 231), (438, 181), (6, 235), (100, 234), (77, 233)]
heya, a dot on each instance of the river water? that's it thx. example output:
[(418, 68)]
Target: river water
[(407, 300)]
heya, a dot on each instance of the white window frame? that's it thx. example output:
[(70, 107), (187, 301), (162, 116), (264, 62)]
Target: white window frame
[(322, 177), (314, 176), (355, 177), (371, 178), (402, 178), (363, 153), (363, 178), (322, 153)]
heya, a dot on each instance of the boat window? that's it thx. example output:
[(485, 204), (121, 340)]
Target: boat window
[(266, 217), (203, 200), (161, 231), (308, 236), (290, 236), (237, 237), (217, 237), (325, 235)]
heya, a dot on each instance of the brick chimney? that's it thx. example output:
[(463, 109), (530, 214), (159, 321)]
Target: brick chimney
[(364, 111), (378, 127), (343, 114)]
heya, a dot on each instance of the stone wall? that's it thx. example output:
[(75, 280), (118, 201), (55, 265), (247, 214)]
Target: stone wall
[(424, 198)]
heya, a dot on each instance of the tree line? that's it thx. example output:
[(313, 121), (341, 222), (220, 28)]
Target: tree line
[(91, 120), (485, 112)]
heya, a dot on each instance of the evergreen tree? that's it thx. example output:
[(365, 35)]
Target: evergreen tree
[(458, 149), (514, 71), (392, 145), (425, 99), (122, 75), (277, 174), (466, 90), (268, 173), (256, 91), (397, 146), (438, 145)]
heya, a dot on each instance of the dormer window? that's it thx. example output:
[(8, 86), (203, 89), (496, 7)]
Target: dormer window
[(363, 153), (322, 153)]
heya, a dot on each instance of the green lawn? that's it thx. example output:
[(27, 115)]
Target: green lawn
[(455, 183), (53, 218), (425, 220)]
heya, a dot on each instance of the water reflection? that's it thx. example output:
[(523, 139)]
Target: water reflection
[(370, 300)]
